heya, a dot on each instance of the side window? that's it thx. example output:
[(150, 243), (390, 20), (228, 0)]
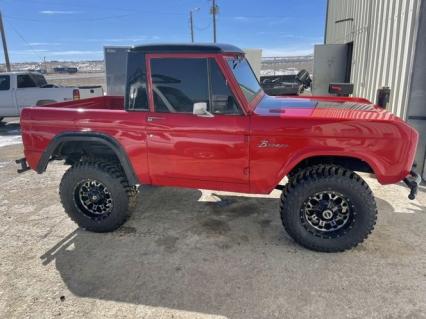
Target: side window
[(25, 81), (39, 80), (222, 99), (179, 83), (136, 94), (4, 82), (138, 98)]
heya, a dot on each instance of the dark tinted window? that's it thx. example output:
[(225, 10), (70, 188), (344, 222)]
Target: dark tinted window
[(136, 96), (39, 79), (223, 101), (245, 77), (179, 83), (4, 82), (25, 81)]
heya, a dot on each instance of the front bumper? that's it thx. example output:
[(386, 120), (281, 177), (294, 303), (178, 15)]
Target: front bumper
[(413, 181)]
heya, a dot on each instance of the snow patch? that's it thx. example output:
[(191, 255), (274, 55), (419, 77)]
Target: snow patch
[(10, 140)]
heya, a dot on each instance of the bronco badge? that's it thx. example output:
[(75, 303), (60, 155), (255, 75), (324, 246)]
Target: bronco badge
[(266, 143)]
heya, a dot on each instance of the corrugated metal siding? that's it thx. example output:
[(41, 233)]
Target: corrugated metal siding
[(383, 32)]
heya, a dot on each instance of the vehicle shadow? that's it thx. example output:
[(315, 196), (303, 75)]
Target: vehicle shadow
[(176, 252), (228, 256)]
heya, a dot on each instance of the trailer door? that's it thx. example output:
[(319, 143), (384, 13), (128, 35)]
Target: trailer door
[(330, 66)]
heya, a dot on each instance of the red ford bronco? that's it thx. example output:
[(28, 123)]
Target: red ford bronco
[(195, 116)]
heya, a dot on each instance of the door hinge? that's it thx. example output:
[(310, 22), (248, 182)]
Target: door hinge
[(246, 171)]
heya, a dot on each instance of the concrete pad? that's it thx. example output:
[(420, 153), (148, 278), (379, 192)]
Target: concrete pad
[(200, 254)]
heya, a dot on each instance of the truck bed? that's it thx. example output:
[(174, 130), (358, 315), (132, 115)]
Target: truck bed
[(102, 115), (94, 103)]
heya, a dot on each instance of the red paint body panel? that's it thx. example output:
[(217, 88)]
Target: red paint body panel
[(100, 114), (223, 152), (185, 147)]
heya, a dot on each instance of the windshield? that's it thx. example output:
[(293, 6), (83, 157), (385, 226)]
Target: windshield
[(245, 77)]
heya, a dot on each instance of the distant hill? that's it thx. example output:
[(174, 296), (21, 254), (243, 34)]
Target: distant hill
[(287, 65), (82, 66), (279, 65)]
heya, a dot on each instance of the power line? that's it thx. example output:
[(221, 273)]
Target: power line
[(33, 51)]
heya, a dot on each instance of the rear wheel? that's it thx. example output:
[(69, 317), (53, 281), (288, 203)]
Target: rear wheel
[(96, 195), (328, 208)]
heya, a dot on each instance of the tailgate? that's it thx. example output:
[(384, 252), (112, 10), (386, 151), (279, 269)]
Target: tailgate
[(90, 91)]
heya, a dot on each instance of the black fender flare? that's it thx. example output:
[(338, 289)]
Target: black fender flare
[(89, 137)]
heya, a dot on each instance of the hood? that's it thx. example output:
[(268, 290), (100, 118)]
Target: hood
[(320, 107)]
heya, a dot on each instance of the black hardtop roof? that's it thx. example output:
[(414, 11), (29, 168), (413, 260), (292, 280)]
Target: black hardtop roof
[(187, 48)]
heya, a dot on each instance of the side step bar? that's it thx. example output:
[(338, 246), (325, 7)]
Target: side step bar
[(24, 165)]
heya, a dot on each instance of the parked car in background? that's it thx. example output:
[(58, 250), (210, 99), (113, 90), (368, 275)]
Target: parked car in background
[(22, 89), (65, 69), (286, 84)]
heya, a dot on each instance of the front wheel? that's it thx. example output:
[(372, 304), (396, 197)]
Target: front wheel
[(328, 208), (96, 195)]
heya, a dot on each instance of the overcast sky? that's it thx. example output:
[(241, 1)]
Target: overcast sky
[(78, 29)]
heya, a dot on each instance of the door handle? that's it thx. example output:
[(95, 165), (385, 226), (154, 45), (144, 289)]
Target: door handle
[(154, 118)]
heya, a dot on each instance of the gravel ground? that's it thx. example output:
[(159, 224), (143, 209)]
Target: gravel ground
[(77, 79), (197, 254)]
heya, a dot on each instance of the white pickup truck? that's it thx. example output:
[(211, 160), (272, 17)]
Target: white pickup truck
[(21, 89)]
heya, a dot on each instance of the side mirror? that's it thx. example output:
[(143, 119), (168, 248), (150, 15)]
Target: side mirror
[(200, 109)]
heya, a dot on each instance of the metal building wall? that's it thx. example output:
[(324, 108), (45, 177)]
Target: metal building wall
[(416, 104), (384, 33)]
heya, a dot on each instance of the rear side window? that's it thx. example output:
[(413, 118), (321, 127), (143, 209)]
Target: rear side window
[(4, 82), (25, 81), (136, 94), (39, 80), (179, 83)]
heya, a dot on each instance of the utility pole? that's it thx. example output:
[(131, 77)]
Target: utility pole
[(191, 22), (213, 11), (192, 26), (3, 38)]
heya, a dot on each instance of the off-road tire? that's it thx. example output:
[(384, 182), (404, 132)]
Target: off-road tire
[(109, 174), (328, 178)]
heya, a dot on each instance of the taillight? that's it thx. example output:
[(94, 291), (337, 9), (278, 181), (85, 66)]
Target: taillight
[(76, 94)]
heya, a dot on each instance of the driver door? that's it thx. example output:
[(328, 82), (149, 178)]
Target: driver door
[(7, 98), (204, 151)]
